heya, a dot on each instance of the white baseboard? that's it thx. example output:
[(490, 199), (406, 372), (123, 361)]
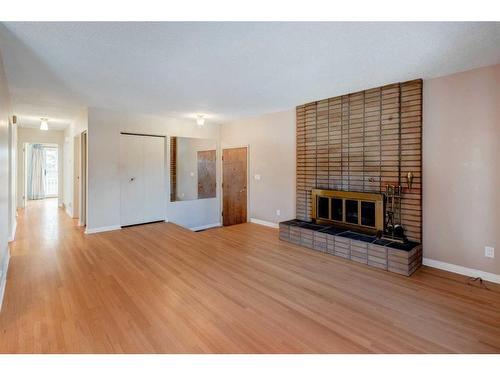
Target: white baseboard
[(471, 272), (263, 222), (69, 212), (102, 229), (3, 275), (208, 226), (13, 234)]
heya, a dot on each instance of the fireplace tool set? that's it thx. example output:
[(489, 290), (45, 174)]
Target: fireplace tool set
[(393, 228)]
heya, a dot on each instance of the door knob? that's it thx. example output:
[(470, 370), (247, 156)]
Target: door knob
[(132, 179)]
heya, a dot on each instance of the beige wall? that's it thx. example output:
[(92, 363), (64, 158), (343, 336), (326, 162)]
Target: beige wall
[(28, 135), (271, 141), (461, 168)]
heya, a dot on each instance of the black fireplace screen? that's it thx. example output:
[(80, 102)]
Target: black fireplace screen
[(353, 208), (351, 211), (323, 209), (337, 209), (368, 213)]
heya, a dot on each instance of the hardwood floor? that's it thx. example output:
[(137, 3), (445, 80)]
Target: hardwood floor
[(162, 289)]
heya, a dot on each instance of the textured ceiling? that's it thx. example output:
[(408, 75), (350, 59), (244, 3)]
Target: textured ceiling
[(226, 70)]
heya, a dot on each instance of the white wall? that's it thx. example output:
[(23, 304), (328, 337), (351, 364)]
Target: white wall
[(29, 135), (187, 165), (104, 127), (5, 229), (79, 125), (272, 153), (461, 168), (12, 180)]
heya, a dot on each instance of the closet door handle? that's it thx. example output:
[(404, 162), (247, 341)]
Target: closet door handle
[(132, 179)]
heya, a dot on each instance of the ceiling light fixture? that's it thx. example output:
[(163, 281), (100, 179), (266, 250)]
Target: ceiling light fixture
[(200, 120), (44, 124)]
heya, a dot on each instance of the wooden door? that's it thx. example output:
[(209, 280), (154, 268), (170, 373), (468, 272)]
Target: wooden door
[(206, 174), (234, 186)]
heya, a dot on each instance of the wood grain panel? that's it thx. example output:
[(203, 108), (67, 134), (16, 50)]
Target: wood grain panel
[(310, 153), (234, 185), (301, 210), (173, 169), (362, 142), (207, 185)]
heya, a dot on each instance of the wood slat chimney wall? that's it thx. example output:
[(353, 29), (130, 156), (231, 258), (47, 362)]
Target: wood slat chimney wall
[(173, 169), (362, 142)]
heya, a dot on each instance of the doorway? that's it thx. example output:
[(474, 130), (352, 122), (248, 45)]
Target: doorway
[(80, 178), (76, 177), (234, 185), (41, 172), (83, 173)]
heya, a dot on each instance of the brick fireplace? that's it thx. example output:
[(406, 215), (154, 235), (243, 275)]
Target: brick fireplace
[(359, 176), (363, 142)]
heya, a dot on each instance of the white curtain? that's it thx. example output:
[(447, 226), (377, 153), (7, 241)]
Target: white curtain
[(36, 172)]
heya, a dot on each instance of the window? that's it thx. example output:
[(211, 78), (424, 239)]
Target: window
[(51, 171)]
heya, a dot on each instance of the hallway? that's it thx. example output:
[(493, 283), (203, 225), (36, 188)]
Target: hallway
[(161, 288)]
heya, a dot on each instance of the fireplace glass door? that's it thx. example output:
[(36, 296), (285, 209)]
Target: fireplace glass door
[(361, 210), (368, 213), (323, 208), (351, 211), (337, 209)]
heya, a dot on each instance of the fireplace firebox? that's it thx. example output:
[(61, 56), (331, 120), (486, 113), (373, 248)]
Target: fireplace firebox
[(361, 211)]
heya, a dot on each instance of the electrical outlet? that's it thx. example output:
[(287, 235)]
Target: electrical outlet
[(278, 212), (489, 252)]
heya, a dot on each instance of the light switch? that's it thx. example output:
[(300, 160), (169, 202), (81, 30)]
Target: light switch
[(257, 177)]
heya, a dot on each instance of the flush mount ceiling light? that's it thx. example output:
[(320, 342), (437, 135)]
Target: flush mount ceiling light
[(200, 120), (44, 124)]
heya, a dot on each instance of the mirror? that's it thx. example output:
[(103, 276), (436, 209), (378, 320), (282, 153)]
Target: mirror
[(193, 166)]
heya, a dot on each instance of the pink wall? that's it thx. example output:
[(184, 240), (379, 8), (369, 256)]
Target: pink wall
[(461, 168)]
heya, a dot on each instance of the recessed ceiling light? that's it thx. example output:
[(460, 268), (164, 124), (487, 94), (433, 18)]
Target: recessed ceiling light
[(200, 120), (44, 124)]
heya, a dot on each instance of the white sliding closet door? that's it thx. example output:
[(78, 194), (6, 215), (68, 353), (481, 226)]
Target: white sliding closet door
[(142, 168)]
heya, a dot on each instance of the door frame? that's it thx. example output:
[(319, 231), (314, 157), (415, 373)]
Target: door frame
[(76, 176), (55, 146), (221, 190), (83, 191), (24, 175)]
